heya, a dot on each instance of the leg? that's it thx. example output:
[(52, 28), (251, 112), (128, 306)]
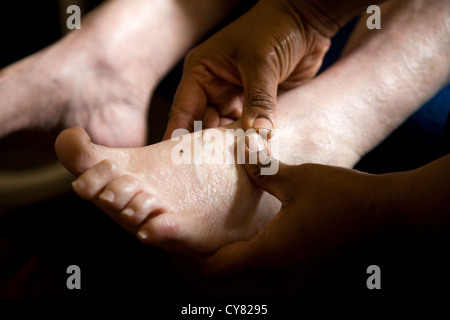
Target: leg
[(360, 108), (102, 76), (190, 208)]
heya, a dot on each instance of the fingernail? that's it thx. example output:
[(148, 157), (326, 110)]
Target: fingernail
[(107, 195), (262, 123), (142, 234), (255, 143), (128, 212), (79, 184)]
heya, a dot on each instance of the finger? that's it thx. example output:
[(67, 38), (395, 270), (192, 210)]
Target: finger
[(260, 92), (189, 105), (279, 179), (211, 118), (225, 121)]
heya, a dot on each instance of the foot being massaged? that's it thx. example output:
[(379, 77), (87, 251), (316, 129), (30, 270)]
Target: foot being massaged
[(257, 73)]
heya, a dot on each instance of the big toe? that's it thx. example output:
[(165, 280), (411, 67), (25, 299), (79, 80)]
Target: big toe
[(76, 151)]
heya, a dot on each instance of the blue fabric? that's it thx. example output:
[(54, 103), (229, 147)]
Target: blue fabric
[(430, 120)]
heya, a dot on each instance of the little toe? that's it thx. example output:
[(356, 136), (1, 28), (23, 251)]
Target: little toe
[(119, 192), (91, 183), (144, 205), (168, 231)]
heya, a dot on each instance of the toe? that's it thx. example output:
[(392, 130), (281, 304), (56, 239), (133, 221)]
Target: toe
[(178, 233), (172, 232), (119, 192), (92, 182), (75, 150), (143, 206), (77, 153), (163, 231)]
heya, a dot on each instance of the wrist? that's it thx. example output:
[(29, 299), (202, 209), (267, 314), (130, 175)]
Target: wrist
[(420, 199)]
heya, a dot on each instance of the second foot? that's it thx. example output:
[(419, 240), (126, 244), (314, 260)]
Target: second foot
[(74, 83)]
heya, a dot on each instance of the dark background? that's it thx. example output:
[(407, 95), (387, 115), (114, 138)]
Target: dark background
[(38, 242)]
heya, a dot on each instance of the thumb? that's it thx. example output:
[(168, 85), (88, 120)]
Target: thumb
[(268, 173), (260, 103)]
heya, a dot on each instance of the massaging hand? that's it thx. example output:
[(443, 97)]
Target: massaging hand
[(328, 209), (323, 209), (271, 46)]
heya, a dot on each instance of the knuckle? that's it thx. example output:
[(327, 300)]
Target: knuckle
[(190, 57), (182, 119), (107, 165), (178, 112), (261, 101), (194, 63)]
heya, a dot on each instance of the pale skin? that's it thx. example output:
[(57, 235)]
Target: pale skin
[(184, 215), (102, 76)]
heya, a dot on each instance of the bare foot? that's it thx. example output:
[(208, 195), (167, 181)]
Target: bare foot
[(199, 208), (63, 87), (72, 83), (189, 208), (102, 76)]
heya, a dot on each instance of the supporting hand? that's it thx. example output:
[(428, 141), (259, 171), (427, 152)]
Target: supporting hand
[(238, 70)]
